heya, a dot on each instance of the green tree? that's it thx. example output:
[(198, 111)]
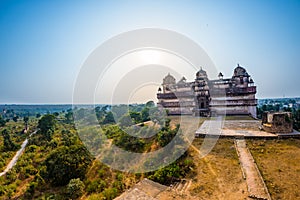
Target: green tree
[(56, 114), (145, 114), (30, 190), (136, 116), (264, 107), (109, 118), (8, 144), (75, 188), (100, 112), (2, 122), (47, 125), (69, 117), (26, 119), (150, 104), (68, 138), (130, 143), (287, 109), (110, 193), (96, 186), (66, 163), (15, 118), (167, 174), (165, 135)]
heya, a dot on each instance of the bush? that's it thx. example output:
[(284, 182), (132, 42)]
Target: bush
[(119, 185), (130, 143), (110, 193), (30, 190), (2, 190), (8, 144), (96, 186), (30, 170), (75, 188), (32, 148), (66, 163), (2, 122), (47, 125), (11, 175), (2, 164), (167, 174), (95, 197), (109, 118)]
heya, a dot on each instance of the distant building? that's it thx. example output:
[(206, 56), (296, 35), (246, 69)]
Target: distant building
[(204, 97), (277, 122)]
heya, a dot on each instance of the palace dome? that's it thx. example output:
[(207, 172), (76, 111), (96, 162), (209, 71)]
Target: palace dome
[(169, 79), (240, 71), (201, 74)]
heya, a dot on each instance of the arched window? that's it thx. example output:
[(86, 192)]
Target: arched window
[(242, 80)]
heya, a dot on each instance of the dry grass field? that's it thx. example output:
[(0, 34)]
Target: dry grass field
[(218, 175), (279, 164)]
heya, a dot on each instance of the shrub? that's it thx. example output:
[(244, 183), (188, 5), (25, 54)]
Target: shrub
[(30, 190), (75, 188), (66, 163), (95, 197), (96, 186), (110, 193), (32, 148)]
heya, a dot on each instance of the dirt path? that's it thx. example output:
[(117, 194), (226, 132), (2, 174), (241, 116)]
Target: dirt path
[(255, 183), (17, 156)]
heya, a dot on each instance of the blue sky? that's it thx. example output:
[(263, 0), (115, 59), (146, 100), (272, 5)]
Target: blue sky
[(44, 43)]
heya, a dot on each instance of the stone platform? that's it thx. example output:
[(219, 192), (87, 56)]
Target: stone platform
[(238, 128)]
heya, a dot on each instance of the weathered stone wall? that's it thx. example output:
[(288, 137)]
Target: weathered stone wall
[(279, 122)]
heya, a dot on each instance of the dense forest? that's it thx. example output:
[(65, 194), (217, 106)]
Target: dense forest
[(57, 165)]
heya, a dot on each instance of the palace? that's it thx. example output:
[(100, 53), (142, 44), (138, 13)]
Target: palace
[(204, 97)]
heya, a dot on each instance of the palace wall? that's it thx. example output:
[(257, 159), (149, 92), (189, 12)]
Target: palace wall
[(204, 97)]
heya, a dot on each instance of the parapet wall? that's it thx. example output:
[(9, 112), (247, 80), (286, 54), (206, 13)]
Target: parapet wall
[(277, 122)]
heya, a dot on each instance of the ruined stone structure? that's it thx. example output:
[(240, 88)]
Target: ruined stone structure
[(277, 122), (144, 190), (204, 97)]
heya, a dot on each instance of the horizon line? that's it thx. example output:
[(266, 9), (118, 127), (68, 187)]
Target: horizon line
[(297, 97)]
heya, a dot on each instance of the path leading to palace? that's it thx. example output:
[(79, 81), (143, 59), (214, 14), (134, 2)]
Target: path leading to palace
[(255, 183)]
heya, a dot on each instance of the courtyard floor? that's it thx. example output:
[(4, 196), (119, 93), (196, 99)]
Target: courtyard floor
[(237, 128)]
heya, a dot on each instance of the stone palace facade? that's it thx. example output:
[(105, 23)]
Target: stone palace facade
[(204, 97)]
